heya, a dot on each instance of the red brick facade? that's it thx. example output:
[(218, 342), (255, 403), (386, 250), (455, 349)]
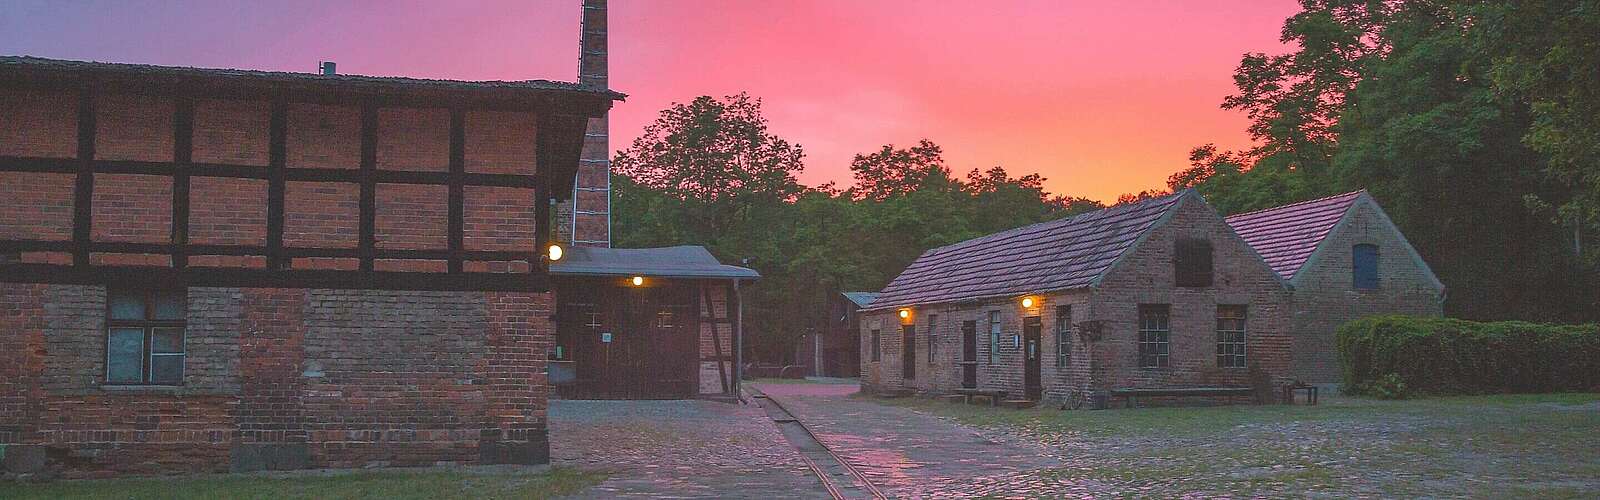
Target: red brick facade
[(1102, 348), (273, 378)]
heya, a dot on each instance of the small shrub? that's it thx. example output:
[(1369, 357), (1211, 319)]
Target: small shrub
[(1386, 387), (1404, 356)]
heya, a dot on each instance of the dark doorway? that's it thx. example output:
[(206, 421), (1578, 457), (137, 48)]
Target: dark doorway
[(908, 352), (1031, 327), (969, 354)]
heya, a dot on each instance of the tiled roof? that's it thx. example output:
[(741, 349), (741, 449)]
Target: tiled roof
[(686, 261), (1055, 255), (1286, 236), (40, 63), (861, 299)]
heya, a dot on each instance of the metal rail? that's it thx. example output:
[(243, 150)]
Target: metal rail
[(827, 481)]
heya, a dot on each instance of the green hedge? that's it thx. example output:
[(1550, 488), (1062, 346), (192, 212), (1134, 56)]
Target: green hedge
[(1393, 356)]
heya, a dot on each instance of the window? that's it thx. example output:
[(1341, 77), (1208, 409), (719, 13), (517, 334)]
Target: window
[(1063, 335), (933, 337), (144, 337), (1364, 266), (1192, 262), (877, 345), (1230, 336), (1154, 334), (994, 336)]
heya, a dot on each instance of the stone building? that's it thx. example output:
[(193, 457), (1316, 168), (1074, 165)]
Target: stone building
[(217, 269), (1154, 294), (1345, 260)]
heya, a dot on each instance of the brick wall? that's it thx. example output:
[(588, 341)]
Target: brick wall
[(282, 378), (1145, 276), (714, 334), (1324, 295)]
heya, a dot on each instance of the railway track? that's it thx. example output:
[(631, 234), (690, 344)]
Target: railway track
[(842, 480)]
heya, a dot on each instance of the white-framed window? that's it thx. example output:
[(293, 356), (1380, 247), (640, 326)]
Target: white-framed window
[(1231, 336), (933, 338), (1063, 335), (145, 337), (994, 336), (1155, 335)]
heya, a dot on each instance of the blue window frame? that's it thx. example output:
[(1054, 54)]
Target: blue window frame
[(1364, 266)]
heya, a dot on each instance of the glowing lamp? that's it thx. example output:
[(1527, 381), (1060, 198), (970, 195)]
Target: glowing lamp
[(637, 281), (554, 252), (905, 313), (1027, 302)]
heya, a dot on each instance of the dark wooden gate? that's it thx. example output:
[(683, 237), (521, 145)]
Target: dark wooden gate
[(629, 343), (969, 354)]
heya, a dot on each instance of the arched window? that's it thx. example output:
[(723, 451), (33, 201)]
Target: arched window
[(1364, 266)]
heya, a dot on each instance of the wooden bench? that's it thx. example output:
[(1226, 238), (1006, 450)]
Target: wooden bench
[(994, 395), (1133, 394)]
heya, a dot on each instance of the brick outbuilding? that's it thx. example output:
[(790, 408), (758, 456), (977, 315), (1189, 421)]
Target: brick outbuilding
[(1344, 260), (214, 270), (1159, 293)]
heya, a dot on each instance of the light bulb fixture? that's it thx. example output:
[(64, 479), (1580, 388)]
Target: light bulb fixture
[(554, 252), (1027, 302), (905, 313), (637, 281)]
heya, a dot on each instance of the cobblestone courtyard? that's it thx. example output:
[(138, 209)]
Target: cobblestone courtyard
[(1493, 446)]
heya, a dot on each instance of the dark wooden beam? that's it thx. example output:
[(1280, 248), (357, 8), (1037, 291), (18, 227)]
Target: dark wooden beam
[(277, 161), (182, 156), (83, 188), (72, 166), (458, 169), (369, 187), (135, 276)]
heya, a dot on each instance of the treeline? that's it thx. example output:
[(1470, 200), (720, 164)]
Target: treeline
[(1475, 124)]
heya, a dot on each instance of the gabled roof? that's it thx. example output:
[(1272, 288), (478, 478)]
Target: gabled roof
[(861, 299), (245, 75), (686, 261), (1056, 255), (1286, 236)]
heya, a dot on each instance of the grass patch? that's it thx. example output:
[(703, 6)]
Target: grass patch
[(428, 484)]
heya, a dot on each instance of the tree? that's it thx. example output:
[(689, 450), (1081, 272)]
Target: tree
[(894, 172)]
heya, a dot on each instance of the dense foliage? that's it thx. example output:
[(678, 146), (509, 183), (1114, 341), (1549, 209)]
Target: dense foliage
[(1475, 124), (1397, 356)]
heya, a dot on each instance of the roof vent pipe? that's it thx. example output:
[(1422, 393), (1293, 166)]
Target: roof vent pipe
[(327, 68)]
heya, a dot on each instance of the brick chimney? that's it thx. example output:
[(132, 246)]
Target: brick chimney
[(588, 216)]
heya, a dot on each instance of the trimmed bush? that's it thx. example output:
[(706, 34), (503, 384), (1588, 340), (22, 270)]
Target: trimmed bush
[(1395, 356)]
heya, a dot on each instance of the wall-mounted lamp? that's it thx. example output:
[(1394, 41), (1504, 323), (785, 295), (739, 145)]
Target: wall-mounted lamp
[(637, 281), (1027, 302), (905, 314), (554, 252)]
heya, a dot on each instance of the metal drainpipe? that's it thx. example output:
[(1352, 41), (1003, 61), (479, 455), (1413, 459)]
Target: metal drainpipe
[(738, 343)]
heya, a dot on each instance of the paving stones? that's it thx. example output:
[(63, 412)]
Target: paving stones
[(679, 449)]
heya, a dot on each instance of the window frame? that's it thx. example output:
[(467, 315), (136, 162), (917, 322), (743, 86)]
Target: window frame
[(148, 325), (877, 345), (1150, 337), (933, 338), (1233, 343), (994, 336), (1190, 256), (1063, 335), (1359, 282)]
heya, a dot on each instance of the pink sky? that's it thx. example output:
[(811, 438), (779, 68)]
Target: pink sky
[(1100, 98)]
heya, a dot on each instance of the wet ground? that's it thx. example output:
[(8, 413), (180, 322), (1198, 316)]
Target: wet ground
[(913, 455), (678, 449)]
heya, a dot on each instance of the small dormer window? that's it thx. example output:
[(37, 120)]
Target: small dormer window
[(1364, 266), (1192, 262)]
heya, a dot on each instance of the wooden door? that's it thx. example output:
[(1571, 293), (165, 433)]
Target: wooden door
[(908, 352), (1031, 328), (969, 354)]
